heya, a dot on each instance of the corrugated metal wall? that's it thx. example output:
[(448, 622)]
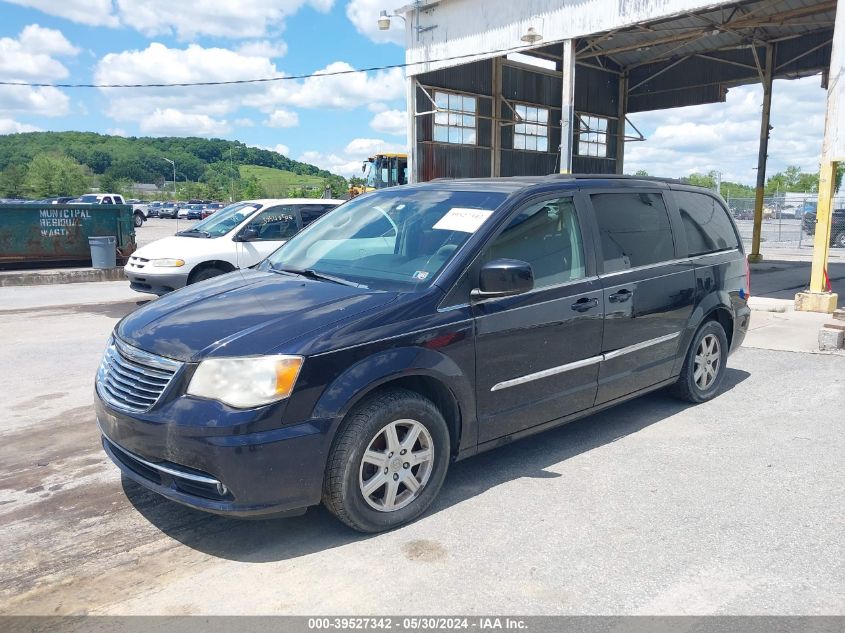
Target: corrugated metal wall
[(596, 92)]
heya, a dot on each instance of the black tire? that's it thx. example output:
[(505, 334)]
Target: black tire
[(689, 386), (343, 483), (205, 273), (839, 240), (139, 220)]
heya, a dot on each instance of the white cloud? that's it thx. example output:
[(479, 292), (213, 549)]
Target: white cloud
[(188, 19), (30, 56), (348, 161), (391, 122), (725, 136), (33, 101), (244, 122), (263, 48), (170, 122), (364, 15), (282, 118), (10, 126), (160, 64), (279, 148), (349, 90), (91, 12), (116, 131)]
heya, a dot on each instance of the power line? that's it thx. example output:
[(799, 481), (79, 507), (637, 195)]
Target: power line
[(333, 73)]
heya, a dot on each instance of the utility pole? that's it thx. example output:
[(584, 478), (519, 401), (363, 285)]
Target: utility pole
[(172, 162)]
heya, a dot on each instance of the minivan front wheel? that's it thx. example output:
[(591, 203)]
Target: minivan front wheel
[(704, 366), (387, 462)]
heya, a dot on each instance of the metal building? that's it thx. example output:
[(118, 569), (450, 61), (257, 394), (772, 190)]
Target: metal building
[(473, 112)]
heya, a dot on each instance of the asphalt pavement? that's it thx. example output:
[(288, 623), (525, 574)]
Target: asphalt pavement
[(654, 507)]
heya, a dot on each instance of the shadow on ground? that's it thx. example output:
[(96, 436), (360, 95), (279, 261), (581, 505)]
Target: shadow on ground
[(775, 279), (282, 539)]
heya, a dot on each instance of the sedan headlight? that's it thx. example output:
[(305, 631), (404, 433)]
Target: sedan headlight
[(169, 263), (246, 382)]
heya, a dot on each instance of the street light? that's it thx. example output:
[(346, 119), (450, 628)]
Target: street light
[(172, 162), (418, 7)]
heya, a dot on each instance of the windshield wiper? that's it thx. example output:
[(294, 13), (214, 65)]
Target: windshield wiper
[(190, 232), (313, 274)]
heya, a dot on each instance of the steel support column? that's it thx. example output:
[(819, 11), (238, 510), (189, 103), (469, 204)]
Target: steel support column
[(620, 125), (567, 120), (765, 128), (411, 100), (496, 145), (818, 299)]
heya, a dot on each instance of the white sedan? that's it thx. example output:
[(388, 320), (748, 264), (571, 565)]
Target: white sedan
[(237, 236)]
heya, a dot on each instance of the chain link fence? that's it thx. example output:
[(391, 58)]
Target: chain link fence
[(788, 222)]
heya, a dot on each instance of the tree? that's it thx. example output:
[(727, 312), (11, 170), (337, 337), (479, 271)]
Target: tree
[(55, 175), (641, 172), (12, 181), (251, 189)]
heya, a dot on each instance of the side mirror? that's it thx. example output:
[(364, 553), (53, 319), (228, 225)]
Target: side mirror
[(248, 234), (503, 278)]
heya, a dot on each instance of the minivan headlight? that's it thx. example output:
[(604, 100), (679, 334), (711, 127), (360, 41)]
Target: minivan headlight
[(246, 382), (169, 263)]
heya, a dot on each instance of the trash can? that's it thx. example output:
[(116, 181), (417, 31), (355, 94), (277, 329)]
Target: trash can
[(103, 251)]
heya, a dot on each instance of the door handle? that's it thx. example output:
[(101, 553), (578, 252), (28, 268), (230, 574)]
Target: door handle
[(583, 304), (621, 296)]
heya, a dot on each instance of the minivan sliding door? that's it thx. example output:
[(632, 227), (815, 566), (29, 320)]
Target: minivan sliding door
[(648, 291)]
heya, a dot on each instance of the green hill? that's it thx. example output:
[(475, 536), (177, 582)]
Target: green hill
[(114, 161), (278, 182)]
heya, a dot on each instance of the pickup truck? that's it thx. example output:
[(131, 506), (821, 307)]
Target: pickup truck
[(139, 211)]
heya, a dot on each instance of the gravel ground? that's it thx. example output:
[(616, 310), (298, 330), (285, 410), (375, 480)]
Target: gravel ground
[(654, 507)]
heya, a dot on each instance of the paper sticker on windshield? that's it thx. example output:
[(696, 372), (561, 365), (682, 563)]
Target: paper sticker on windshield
[(464, 220), (421, 275)]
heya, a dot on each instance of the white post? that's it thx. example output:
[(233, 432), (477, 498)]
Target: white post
[(411, 100), (567, 122)]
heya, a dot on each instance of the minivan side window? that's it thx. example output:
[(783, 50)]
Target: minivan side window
[(634, 229), (706, 224), (546, 235), (275, 223)]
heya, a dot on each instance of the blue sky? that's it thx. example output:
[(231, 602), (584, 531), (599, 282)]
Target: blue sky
[(331, 122)]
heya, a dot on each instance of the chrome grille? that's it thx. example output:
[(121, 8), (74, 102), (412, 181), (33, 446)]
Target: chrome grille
[(131, 379)]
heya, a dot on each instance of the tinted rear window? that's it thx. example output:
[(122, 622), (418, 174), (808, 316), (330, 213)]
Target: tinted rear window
[(634, 229), (310, 212), (706, 223)]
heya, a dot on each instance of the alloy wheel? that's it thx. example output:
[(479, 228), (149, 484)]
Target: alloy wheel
[(396, 465), (707, 360)]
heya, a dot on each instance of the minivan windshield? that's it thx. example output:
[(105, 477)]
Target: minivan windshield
[(223, 220), (394, 239)]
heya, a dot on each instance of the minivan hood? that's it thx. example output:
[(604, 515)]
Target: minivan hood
[(243, 313)]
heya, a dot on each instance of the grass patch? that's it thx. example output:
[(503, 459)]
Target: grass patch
[(277, 182)]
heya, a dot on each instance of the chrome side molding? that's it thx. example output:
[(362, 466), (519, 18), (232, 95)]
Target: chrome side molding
[(586, 362)]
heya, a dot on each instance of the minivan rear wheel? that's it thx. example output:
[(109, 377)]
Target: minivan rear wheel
[(388, 461), (704, 366)]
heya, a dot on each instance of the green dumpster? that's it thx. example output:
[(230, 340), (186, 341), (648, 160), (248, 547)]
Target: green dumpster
[(35, 235)]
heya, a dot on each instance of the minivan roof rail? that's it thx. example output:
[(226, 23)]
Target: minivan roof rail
[(674, 181)]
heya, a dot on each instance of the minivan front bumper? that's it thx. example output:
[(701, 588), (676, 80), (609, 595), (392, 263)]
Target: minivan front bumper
[(229, 471)]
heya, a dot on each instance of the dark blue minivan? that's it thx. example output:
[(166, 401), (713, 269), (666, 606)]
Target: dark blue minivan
[(415, 326)]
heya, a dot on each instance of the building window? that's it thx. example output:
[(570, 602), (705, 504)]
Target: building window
[(592, 136), (533, 132), (455, 120)]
